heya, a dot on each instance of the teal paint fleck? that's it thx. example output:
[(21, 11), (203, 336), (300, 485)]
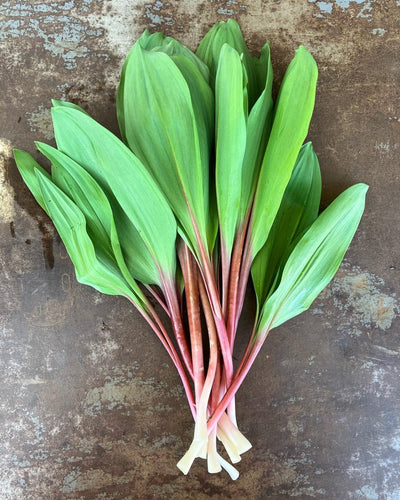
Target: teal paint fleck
[(226, 12), (62, 34), (368, 492), (326, 7)]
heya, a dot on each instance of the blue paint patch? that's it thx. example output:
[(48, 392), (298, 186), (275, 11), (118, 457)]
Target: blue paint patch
[(395, 444), (378, 31), (63, 35), (368, 492), (226, 12), (326, 7), (151, 12)]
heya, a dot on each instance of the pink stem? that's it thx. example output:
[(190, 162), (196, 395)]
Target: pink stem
[(190, 275), (236, 383), (171, 299), (213, 362), (214, 301), (163, 336), (158, 298)]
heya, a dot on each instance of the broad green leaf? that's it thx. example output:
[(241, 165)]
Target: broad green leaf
[(151, 40), (258, 130), (158, 43), (161, 129), (203, 107), (315, 259), (174, 48), (26, 166), (230, 142), (67, 104), (298, 210), (210, 47), (80, 186), (91, 269), (290, 126), (113, 165)]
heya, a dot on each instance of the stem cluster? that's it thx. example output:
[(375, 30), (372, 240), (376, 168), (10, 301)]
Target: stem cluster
[(205, 362)]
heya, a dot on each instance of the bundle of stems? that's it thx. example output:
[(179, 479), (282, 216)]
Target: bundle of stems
[(210, 185)]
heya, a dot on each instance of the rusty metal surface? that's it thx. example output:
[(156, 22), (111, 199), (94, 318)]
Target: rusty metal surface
[(90, 407)]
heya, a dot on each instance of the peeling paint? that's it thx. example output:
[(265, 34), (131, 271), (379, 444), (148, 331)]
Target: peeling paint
[(360, 300), (93, 480), (368, 492), (326, 7), (117, 20), (123, 390), (40, 121), (379, 31), (7, 210), (385, 147), (62, 33)]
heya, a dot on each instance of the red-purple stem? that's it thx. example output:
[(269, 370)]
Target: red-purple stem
[(236, 383), (190, 276)]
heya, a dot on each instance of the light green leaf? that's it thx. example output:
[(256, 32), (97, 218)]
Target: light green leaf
[(298, 210), (230, 142), (203, 107), (210, 47), (156, 42), (80, 186), (26, 166), (161, 129), (66, 104), (290, 126), (315, 259), (258, 130), (97, 271), (172, 47), (113, 165)]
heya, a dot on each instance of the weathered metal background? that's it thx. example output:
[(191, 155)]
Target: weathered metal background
[(91, 408)]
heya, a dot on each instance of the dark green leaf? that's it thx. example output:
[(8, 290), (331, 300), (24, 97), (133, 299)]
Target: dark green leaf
[(210, 47)]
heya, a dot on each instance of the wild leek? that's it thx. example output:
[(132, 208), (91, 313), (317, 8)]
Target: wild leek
[(210, 185)]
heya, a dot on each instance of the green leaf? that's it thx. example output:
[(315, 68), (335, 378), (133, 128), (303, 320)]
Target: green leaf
[(290, 126), (298, 210), (91, 269), (203, 107), (151, 41), (26, 166), (168, 45), (230, 142), (172, 47), (113, 165), (66, 104), (161, 129), (80, 186), (258, 130), (210, 47), (315, 259)]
